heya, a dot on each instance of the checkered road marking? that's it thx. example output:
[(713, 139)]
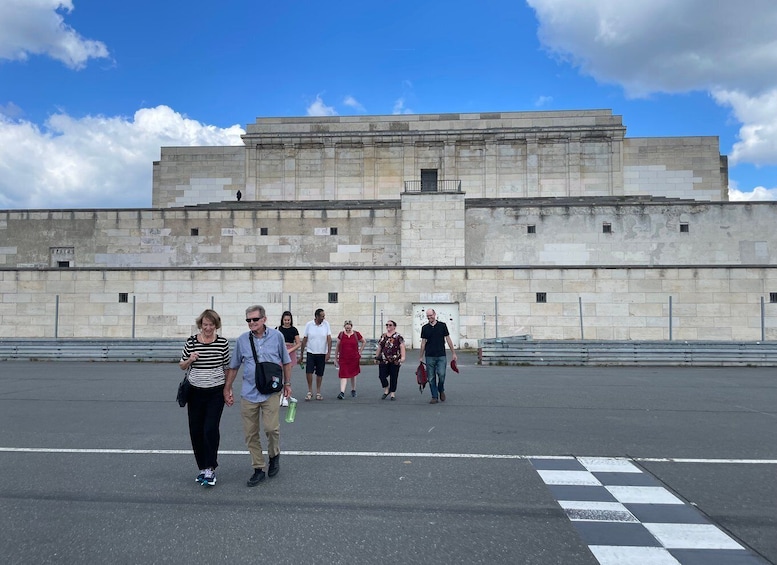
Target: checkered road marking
[(625, 515)]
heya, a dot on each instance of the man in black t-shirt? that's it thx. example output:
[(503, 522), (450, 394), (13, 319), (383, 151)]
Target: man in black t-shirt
[(434, 335)]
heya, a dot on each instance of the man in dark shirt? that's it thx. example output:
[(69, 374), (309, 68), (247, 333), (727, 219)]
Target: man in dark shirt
[(434, 335)]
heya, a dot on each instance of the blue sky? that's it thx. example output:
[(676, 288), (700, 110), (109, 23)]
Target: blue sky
[(90, 90)]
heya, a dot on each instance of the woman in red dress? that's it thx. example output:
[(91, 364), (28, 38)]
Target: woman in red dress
[(348, 352)]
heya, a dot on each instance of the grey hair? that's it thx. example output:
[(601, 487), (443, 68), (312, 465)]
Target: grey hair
[(257, 308)]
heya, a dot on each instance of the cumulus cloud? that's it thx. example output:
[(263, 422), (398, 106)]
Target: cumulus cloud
[(318, 108), (758, 193), (725, 48), (37, 27), (74, 162)]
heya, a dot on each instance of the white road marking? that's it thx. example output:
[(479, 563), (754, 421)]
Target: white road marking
[(384, 454)]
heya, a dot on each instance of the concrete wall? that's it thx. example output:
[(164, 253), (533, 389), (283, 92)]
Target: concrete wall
[(617, 304), (493, 155), (424, 229), (185, 176)]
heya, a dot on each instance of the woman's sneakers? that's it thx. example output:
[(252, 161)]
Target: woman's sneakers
[(207, 477)]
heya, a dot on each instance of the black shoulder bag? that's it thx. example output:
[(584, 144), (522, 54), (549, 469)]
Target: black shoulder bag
[(184, 386), (267, 376)]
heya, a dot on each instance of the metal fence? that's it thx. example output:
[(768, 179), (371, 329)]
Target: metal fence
[(522, 350), (157, 350)]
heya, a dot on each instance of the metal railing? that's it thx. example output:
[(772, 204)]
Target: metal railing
[(439, 186), (156, 350), (521, 350)]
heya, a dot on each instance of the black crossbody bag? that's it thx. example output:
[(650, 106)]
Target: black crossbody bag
[(267, 376)]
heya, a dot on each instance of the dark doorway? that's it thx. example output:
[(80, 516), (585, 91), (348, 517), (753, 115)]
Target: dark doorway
[(428, 180)]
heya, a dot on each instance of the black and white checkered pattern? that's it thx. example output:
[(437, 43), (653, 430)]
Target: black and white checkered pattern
[(625, 515)]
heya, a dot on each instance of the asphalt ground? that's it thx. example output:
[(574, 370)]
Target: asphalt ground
[(97, 467)]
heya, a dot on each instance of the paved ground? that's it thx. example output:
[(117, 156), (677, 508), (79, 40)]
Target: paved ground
[(96, 468)]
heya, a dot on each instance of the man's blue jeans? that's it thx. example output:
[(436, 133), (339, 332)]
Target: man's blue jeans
[(435, 373)]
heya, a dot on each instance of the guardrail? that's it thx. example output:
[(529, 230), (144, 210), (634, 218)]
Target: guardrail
[(522, 350), (153, 350)]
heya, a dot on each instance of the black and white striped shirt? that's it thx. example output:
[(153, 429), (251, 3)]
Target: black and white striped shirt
[(208, 370)]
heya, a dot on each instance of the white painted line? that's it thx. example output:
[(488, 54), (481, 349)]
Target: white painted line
[(713, 461), (385, 454), (691, 536), (618, 555), (609, 465), (642, 495), (576, 478)]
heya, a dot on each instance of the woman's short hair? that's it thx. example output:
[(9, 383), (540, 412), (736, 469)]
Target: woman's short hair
[(210, 315)]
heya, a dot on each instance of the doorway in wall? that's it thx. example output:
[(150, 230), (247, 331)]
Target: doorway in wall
[(446, 312), (428, 180)]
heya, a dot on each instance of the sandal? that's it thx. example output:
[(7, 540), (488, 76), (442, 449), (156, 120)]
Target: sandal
[(318, 396), (309, 396)]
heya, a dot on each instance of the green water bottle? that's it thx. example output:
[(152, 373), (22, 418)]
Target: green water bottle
[(291, 411)]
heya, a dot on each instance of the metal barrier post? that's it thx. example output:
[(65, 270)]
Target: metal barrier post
[(670, 318), (763, 319), (580, 306), (134, 301), (56, 316)]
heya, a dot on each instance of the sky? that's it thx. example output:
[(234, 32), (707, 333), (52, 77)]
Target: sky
[(91, 90)]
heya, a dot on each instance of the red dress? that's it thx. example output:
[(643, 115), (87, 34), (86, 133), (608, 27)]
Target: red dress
[(349, 355)]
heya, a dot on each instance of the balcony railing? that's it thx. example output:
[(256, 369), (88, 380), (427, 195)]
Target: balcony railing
[(433, 186)]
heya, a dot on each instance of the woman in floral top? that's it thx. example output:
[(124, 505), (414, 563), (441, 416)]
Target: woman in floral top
[(390, 355)]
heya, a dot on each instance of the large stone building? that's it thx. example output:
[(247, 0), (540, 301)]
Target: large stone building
[(549, 223)]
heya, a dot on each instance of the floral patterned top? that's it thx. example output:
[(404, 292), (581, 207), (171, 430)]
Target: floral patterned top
[(390, 348)]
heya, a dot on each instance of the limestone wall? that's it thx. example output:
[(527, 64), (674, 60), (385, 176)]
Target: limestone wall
[(432, 230), (623, 304), (492, 155), (186, 176), (653, 233), (675, 167), (190, 238)]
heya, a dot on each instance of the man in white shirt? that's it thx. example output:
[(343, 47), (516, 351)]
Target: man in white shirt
[(317, 341)]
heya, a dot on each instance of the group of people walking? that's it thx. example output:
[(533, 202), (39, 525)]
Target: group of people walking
[(211, 371)]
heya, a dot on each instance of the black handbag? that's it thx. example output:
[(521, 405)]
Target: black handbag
[(184, 386), (183, 391), (268, 376)]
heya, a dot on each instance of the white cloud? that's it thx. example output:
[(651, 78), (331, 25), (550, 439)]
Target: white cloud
[(75, 162), (543, 101), (318, 108), (665, 45), (399, 107), (37, 27), (351, 102), (758, 136), (728, 49), (758, 193)]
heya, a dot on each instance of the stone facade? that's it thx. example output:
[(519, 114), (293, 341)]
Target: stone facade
[(491, 155), (509, 223)]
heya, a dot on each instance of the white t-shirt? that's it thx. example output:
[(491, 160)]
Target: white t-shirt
[(317, 335)]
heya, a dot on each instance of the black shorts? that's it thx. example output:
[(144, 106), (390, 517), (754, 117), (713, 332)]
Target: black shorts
[(315, 364)]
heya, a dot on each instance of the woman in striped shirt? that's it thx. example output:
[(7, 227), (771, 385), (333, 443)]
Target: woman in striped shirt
[(205, 357)]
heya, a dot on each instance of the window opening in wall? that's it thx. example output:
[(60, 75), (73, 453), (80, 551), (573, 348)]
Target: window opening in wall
[(332, 298), (332, 231), (684, 228), (542, 297), (123, 297), (773, 297), (531, 229), (263, 231), (606, 228), (63, 264), (195, 231)]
